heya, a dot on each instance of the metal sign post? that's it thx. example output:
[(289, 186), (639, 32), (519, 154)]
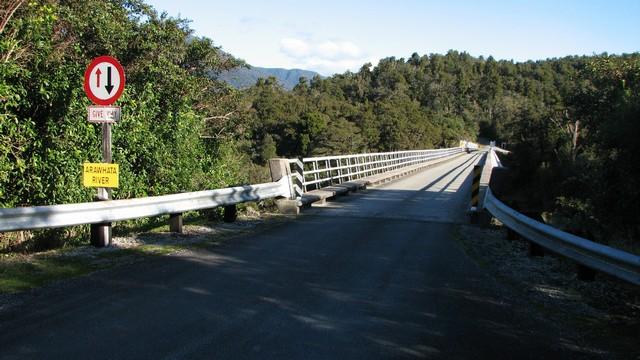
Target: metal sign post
[(103, 192), (103, 83), (101, 233)]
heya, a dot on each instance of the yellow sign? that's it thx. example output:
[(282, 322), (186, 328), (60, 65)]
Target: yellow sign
[(100, 175)]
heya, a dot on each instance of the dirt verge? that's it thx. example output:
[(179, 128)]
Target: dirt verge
[(23, 272), (603, 315)]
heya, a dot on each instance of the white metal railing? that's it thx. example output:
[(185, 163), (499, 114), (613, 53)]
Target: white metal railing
[(317, 172), (494, 159), (38, 217), (597, 256)]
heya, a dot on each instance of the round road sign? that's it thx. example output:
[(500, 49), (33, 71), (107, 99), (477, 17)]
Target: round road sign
[(104, 80)]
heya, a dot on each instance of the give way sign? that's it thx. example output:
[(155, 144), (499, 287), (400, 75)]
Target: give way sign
[(104, 80)]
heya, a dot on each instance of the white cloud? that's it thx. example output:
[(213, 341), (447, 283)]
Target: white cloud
[(327, 57), (295, 48)]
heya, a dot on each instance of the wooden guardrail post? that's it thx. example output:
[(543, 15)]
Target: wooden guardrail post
[(535, 249), (512, 235), (175, 223), (101, 234), (586, 273), (230, 213)]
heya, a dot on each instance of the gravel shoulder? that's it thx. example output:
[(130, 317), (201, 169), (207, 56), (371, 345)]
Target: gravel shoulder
[(602, 316)]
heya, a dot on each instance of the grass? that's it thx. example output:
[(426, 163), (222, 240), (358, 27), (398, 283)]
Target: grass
[(21, 273), (141, 250)]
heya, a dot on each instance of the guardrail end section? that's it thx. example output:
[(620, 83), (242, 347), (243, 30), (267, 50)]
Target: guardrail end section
[(279, 168)]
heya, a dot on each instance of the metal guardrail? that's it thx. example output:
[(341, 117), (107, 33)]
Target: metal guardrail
[(597, 256), (325, 169), (494, 159), (38, 217), (317, 172), (470, 145)]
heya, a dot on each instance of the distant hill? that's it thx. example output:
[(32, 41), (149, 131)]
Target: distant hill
[(243, 78)]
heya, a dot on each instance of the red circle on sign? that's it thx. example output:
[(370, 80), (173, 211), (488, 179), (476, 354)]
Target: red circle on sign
[(87, 78)]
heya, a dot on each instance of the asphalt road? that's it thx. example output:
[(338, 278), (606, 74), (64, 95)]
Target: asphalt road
[(373, 275)]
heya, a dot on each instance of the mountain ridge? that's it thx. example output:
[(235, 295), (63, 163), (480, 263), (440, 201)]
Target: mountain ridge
[(242, 77)]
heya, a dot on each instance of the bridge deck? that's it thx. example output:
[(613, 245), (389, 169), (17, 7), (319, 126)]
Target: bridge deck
[(376, 275)]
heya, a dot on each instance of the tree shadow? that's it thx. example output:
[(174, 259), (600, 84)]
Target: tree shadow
[(443, 199), (380, 286), (282, 294)]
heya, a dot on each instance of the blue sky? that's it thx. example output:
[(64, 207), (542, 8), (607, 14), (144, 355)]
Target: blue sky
[(334, 36)]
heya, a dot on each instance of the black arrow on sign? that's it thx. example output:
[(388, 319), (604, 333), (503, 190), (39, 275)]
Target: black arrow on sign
[(109, 87)]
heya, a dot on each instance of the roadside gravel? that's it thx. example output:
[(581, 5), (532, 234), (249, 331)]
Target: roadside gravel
[(603, 315)]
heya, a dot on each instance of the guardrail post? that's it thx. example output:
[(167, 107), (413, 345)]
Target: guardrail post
[(586, 273), (475, 187), (175, 223), (474, 210), (230, 213), (101, 234), (512, 235), (535, 249), (280, 168)]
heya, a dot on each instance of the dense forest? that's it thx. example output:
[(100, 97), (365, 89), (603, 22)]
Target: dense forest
[(572, 122)]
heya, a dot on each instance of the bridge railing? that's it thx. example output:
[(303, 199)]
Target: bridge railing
[(615, 262), (318, 172), (309, 172)]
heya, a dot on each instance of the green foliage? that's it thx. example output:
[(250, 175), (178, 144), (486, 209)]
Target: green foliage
[(44, 136), (609, 106), (21, 274), (575, 143), (161, 143), (572, 122)]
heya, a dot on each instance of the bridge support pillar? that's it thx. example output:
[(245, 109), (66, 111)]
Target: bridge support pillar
[(175, 223), (288, 207)]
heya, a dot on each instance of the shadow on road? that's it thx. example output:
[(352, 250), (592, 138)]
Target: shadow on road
[(386, 285), (444, 199), (395, 291)]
